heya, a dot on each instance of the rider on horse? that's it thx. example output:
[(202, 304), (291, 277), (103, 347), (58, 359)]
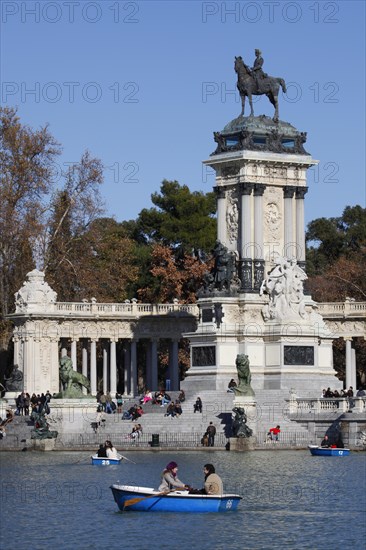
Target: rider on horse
[(257, 72)]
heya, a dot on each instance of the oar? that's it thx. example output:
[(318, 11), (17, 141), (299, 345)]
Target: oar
[(128, 459), (132, 501)]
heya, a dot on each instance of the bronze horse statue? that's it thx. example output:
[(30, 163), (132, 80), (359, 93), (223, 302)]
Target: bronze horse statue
[(247, 86)]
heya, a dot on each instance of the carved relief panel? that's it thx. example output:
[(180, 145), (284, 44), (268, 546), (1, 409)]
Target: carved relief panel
[(273, 222), (232, 216)]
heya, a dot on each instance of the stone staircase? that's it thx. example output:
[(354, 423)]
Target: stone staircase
[(188, 428)]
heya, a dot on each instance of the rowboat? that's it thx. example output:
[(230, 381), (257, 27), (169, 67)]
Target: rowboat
[(327, 451), (147, 499), (103, 461)]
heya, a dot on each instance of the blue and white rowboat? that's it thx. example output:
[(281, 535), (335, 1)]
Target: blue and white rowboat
[(328, 451), (146, 499), (103, 461)]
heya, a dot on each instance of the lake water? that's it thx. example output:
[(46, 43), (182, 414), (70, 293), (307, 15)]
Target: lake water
[(291, 501)]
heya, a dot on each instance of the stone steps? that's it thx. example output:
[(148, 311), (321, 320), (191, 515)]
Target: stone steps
[(217, 407)]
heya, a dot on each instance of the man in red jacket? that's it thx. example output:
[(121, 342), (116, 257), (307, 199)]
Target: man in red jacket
[(273, 433)]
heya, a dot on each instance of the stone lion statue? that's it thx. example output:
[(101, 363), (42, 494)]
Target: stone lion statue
[(72, 381), (243, 389), (239, 423)]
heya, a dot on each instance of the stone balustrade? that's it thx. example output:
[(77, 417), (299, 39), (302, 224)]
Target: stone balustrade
[(336, 310), (304, 406), (127, 309)]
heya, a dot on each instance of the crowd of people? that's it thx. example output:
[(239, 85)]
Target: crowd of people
[(328, 393), (26, 404)]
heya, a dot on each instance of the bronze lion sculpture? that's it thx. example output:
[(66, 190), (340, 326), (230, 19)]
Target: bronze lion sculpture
[(72, 381)]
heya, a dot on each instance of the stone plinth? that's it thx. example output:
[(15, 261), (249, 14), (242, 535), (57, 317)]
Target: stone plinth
[(44, 444), (73, 415), (242, 444)]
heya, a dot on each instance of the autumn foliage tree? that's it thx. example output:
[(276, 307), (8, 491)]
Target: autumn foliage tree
[(337, 255), (174, 278), (336, 260), (26, 163)]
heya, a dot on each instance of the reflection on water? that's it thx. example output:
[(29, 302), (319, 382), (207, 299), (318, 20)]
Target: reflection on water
[(290, 500)]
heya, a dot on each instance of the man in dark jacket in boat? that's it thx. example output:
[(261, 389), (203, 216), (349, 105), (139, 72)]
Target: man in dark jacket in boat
[(325, 442), (102, 451)]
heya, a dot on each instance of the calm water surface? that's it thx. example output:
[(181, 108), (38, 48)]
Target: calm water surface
[(291, 500)]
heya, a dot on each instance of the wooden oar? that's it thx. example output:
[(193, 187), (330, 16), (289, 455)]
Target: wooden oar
[(132, 501), (128, 459)]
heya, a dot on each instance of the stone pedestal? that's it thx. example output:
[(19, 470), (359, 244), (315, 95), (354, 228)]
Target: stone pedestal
[(44, 444), (242, 444)]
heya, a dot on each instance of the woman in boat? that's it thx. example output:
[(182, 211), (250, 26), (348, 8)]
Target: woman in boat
[(169, 478), (111, 451), (213, 482)]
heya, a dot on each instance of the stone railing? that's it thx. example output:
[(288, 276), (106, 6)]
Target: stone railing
[(338, 310), (126, 309), (304, 406)]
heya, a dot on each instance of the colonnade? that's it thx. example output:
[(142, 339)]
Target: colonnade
[(250, 239), (120, 361)]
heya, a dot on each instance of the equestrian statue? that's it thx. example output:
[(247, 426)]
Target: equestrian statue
[(253, 81)]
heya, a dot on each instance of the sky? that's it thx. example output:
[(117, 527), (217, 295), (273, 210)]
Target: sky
[(144, 84)]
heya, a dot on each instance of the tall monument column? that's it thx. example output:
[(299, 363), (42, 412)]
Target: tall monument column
[(289, 249), (300, 224), (258, 236), (253, 300), (221, 213), (246, 253)]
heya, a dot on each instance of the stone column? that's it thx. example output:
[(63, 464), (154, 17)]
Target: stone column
[(148, 383), (28, 374), (16, 356), (300, 225), (113, 369), (93, 367), (105, 368), (84, 361), (353, 370), (134, 367), (127, 368), (174, 365), (258, 237), (74, 354), (221, 214), (246, 252), (63, 348), (288, 240), (348, 362), (154, 364)]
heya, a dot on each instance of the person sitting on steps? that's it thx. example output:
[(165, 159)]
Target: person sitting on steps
[(197, 407)]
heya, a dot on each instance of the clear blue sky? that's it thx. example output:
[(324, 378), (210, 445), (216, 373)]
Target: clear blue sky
[(143, 85)]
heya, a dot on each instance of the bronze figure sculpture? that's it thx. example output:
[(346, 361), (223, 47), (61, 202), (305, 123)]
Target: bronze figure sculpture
[(244, 387), (255, 82)]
